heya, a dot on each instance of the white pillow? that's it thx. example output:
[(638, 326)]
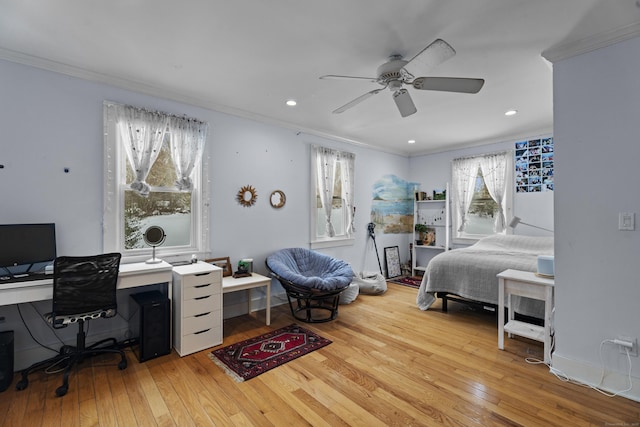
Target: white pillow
[(370, 283), (350, 294)]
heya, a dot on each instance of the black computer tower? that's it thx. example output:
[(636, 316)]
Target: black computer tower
[(151, 324), (6, 359)]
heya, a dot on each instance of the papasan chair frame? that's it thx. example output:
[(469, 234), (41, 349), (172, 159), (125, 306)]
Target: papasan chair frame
[(313, 293)]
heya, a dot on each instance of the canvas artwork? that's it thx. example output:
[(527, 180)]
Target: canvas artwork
[(534, 165), (392, 205)]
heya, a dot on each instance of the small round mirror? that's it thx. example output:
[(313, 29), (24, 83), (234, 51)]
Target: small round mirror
[(277, 199), (154, 236)]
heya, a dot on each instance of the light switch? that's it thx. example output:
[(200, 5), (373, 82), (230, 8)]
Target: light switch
[(626, 221)]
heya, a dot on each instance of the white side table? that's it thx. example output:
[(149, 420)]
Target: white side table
[(231, 284), (525, 284)]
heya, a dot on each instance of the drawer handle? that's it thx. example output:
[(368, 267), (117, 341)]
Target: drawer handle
[(202, 274), (202, 286), (202, 332), (202, 314), (204, 297)]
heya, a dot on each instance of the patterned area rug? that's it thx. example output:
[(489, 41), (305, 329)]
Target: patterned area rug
[(412, 281), (252, 357)]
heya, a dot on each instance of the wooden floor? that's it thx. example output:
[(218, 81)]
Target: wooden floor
[(389, 364)]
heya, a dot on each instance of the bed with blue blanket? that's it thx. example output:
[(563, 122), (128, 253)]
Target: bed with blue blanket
[(469, 274)]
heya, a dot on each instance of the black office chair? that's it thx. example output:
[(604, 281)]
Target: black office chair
[(83, 288)]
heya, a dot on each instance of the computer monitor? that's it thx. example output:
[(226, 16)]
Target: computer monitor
[(24, 245)]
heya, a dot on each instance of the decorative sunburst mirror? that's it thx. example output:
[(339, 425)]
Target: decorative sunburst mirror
[(247, 196)]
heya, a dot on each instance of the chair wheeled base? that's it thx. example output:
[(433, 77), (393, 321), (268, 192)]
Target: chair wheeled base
[(69, 356)]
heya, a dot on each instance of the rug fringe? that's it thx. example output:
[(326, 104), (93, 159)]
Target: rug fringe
[(237, 378)]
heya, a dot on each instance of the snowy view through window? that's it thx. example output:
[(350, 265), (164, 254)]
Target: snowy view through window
[(165, 206)]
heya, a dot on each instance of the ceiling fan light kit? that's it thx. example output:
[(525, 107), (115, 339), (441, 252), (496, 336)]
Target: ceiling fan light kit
[(397, 72)]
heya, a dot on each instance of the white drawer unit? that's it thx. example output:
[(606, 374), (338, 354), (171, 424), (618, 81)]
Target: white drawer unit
[(197, 307)]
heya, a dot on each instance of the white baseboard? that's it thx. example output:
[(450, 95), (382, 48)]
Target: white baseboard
[(259, 303), (589, 374)]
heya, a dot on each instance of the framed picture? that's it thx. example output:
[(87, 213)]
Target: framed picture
[(224, 263), (392, 260)]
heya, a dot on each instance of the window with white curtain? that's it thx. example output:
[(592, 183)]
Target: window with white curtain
[(154, 175), (482, 188), (332, 201)]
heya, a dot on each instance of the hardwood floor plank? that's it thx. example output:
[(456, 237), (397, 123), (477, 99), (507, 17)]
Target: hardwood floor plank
[(389, 364)]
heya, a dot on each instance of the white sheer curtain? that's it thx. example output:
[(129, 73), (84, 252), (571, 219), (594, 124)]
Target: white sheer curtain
[(187, 141), (326, 159), (495, 168), (142, 133), (347, 164), (464, 174)]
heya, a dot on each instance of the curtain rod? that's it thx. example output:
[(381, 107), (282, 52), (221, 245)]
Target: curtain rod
[(184, 116), (482, 155)]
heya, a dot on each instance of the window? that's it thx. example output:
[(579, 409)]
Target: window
[(332, 209), (154, 175), (482, 188)]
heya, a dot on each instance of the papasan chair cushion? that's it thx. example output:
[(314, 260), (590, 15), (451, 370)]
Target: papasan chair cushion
[(313, 282), (310, 269)]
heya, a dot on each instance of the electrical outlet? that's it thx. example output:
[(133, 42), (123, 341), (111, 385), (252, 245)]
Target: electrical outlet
[(633, 351)]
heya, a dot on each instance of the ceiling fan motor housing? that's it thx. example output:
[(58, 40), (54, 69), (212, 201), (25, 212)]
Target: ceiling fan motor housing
[(392, 71)]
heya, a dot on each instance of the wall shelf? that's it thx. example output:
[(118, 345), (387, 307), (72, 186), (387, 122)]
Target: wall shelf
[(435, 214)]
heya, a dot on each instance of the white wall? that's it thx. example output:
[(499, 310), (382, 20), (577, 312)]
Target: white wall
[(50, 122), (597, 133)]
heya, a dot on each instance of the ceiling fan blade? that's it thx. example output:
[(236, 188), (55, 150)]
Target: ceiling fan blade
[(449, 84), (356, 101), (404, 102), (335, 76), (430, 57)]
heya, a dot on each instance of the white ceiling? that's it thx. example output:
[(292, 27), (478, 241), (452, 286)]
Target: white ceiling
[(247, 57)]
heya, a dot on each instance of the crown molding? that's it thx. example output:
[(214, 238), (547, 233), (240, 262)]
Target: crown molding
[(590, 43)]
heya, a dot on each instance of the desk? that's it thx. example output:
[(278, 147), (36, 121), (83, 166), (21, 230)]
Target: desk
[(231, 284), (525, 284), (130, 276)]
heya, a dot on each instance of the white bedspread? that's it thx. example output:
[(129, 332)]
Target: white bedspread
[(471, 272)]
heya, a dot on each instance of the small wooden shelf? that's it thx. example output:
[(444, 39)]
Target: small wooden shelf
[(435, 214), (441, 248), (524, 329)]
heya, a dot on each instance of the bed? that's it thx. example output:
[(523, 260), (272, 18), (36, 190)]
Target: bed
[(469, 274)]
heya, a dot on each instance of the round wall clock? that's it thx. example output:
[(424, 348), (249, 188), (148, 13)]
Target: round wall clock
[(277, 199), (247, 196)]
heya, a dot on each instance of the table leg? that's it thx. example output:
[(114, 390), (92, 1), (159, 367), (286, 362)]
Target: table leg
[(501, 314), (268, 304)]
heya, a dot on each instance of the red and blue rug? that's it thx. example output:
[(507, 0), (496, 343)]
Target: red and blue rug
[(249, 358), (411, 281)]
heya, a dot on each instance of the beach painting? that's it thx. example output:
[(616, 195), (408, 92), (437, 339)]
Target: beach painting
[(392, 205)]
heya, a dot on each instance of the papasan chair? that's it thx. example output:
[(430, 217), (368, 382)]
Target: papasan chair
[(313, 282)]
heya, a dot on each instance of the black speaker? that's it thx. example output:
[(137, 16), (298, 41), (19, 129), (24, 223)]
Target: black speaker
[(151, 323), (6, 359)]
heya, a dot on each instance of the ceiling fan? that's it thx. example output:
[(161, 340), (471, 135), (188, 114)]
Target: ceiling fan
[(397, 72)]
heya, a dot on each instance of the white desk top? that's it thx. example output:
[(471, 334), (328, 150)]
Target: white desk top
[(526, 276), (230, 283), (130, 275)]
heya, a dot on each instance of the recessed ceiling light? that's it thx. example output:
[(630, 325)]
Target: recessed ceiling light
[(511, 113), (411, 141), (291, 103)]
